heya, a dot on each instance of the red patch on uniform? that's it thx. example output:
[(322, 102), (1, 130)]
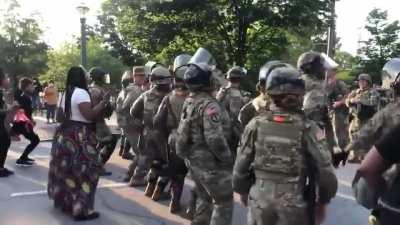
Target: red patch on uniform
[(279, 119), (212, 111)]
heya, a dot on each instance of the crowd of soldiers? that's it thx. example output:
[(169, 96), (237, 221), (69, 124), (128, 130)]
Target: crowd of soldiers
[(278, 150)]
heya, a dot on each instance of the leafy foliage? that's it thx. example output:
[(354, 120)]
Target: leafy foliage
[(60, 60), (22, 50), (241, 32), (382, 45)]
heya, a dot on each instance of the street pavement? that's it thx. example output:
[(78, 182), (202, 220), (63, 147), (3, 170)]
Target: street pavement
[(23, 198)]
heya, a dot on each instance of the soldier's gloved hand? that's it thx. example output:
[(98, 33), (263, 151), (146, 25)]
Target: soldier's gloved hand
[(244, 199), (340, 157)]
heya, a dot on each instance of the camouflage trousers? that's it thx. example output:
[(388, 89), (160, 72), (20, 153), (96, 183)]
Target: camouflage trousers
[(152, 146), (276, 204), (341, 129), (214, 189), (132, 136)]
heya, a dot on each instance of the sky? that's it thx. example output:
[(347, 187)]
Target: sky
[(61, 21)]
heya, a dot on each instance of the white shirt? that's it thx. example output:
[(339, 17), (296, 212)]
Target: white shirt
[(78, 96)]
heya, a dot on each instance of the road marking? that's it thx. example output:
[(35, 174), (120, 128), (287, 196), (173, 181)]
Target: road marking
[(348, 197), (345, 183), (43, 192)]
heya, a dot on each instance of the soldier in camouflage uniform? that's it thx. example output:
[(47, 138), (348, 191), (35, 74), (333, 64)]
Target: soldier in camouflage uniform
[(313, 67), (202, 143), (133, 127), (106, 140), (153, 147), (338, 110), (363, 104), (233, 99), (380, 124), (167, 119), (123, 117), (280, 152), (261, 103)]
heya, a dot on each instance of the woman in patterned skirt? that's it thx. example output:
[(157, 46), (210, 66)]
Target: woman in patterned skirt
[(74, 167)]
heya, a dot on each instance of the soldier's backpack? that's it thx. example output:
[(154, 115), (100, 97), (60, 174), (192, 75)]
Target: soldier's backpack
[(279, 146)]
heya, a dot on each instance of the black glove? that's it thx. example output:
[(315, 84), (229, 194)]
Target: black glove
[(340, 157)]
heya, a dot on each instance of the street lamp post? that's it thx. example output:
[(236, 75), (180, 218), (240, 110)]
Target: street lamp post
[(83, 10)]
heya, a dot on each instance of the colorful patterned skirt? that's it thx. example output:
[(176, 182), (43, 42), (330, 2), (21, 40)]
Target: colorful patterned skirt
[(74, 168)]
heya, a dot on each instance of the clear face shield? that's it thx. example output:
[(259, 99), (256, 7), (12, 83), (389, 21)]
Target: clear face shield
[(203, 56)]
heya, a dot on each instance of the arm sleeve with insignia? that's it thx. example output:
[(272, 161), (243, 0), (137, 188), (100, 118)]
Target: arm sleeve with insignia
[(214, 134), (242, 171), (136, 110), (326, 178)]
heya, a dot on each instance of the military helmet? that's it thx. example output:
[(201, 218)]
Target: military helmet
[(149, 66), (236, 72), (307, 59), (180, 65), (269, 66), (160, 75), (282, 81), (390, 75), (197, 76), (99, 75), (366, 77)]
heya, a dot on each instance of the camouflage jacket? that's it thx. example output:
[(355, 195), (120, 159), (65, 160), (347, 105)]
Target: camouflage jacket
[(312, 150), (233, 99), (365, 108), (253, 108), (315, 103), (202, 133), (380, 124), (169, 112), (145, 107), (337, 91)]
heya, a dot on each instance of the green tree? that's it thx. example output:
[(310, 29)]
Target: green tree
[(61, 59), (237, 32), (382, 45), (22, 50)]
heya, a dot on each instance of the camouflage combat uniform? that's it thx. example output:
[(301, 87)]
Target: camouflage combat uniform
[(167, 119), (375, 128), (315, 106), (202, 142), (339, 116), (152, 143), (278, 151), (233, 99), (132, 128), (363, 110)]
